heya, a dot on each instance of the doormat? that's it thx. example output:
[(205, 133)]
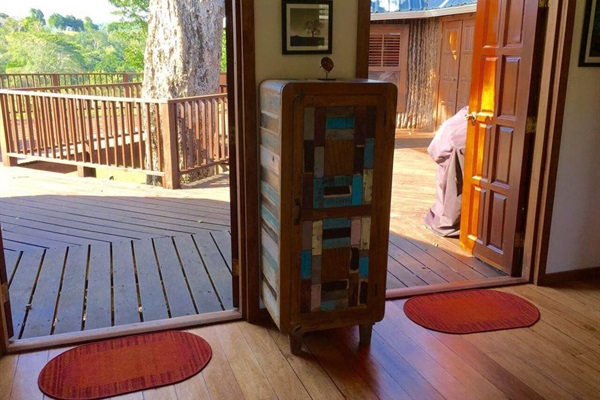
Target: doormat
[(470, 311), (128, 364)]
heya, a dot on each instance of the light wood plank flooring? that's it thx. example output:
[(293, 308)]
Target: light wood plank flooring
[(557, 358)]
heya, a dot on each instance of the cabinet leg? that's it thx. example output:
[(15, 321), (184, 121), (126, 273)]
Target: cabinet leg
[(364, 331), (296, 343)]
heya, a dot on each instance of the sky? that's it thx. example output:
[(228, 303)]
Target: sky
[(98, 10)]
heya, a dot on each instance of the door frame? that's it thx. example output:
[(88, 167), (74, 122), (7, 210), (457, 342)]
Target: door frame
[(553, 87), (247, 151)]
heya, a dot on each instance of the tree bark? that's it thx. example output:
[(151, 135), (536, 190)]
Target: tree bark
[(183, 51), (183, 55)]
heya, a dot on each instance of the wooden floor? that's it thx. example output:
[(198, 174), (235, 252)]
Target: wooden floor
[(557, 358), (92, 245)]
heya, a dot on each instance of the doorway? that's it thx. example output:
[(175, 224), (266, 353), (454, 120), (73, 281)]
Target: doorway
[(119, 259)]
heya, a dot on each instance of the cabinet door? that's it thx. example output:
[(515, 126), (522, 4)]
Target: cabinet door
[(336, 187)]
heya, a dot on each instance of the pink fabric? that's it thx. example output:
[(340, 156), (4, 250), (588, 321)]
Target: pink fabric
[(447, 150)]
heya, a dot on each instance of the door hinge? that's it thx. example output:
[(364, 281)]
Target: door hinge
[(543, 3), (519, 240), (5, 298), (531, 125)]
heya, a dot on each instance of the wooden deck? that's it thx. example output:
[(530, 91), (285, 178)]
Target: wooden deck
[(86, 253)]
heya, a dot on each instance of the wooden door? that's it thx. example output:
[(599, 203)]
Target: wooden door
[(449, 69), (494, 190), (456, 58), (466, 61)]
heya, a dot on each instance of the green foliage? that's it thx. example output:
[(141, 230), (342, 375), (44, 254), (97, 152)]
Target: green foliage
[(65, 44), (68, 44), (224, 53), (131, 31)]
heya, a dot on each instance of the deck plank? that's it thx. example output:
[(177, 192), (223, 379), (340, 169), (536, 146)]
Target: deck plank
[(216, 267), (98, 307), (43, 305), (204, 293), (11, 258), (416, 267), (393, 283), (152, 296), (403, 274), (27, 212), (441, 270), (69, 314), (193, 212), (21, 287), (104, 217), (126, 308), (178, 294), (22, 242), (223, 241)]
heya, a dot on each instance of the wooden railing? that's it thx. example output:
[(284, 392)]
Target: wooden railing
[(128, 90), (22, 81), (161, 138)]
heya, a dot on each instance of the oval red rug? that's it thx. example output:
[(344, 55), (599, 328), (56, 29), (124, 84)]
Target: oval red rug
[(117, 366), (469, 311)]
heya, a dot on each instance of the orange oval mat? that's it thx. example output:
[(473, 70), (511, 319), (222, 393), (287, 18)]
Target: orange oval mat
[(117, 366), (469, 311)]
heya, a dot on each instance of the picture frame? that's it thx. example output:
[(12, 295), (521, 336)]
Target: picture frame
[(307, 27), (589, 55)]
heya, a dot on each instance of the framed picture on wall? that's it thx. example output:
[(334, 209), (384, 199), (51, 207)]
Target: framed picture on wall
[(590, 39), (307, 26)]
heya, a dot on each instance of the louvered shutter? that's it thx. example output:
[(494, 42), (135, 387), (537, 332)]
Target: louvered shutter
[(388, 53)]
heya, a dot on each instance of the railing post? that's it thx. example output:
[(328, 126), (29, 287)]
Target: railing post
[(170, 145), (55, 79), (6, 160)]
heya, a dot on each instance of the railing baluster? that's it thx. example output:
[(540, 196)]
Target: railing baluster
[(130, 132)]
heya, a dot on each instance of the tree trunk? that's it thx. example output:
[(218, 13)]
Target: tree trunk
[(183, 51)]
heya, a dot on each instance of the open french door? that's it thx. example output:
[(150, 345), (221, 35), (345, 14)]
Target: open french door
[(6, 328), (501, 108)]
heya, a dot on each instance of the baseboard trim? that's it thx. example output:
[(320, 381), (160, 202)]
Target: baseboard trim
[(567, 276), (451, 286)]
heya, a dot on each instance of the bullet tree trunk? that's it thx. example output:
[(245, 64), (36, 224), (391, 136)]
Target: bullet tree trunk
[(183, 51)]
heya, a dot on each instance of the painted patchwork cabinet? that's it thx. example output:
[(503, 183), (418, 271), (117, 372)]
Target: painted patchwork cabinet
[(326, 156)]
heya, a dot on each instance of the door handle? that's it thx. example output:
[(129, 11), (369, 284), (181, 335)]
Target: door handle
[(471, 117)]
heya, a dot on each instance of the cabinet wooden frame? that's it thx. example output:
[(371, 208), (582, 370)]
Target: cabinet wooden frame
[(287, 209)]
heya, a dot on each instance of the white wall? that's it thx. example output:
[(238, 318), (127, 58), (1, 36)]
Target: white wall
[(575, 233), (271, 64)]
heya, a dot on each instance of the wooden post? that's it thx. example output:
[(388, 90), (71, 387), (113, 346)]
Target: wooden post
[(6, 327), (6, 160), (362, 40), (170, 146), (55, 79)]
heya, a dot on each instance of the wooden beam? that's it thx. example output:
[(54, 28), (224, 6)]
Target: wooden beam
[(5, 314), (232, 32), (66, 339), (556, 59), (362, 40), (247, 167), (453, 286), (171, 154)]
